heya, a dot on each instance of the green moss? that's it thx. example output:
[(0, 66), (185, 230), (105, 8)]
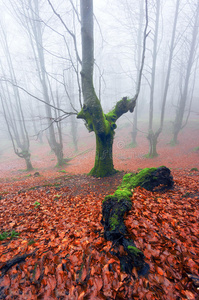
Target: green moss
[(129, 182), (151, 155), (94, 117), (123, 193), (37, 204), (62, 171), (12, 234), (103, 158), (194, 169), (111, 116), (84, 114), (114, 221), (196, 149), (131, 145), (141, 177), (172, 143), (60, 164), (134, 250), (31, 242)]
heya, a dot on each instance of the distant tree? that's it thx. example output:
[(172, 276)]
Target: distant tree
[(12, 107), (178, 122), (96, 120), (28, 13), (139, 49), (153, 135)]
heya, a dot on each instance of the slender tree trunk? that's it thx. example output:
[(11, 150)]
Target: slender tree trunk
[(135, 117), (181, 108), (151, 134), (35, 31), (74, 132), (11, 111), (134, 131), (153, 137)]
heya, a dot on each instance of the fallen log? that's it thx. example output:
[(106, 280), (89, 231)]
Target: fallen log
[(115, 206)]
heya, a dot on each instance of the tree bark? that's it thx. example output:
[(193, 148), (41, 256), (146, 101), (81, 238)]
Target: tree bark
[(139, 37), (151, 135), (29, 166), (153, 140), (103, 157)]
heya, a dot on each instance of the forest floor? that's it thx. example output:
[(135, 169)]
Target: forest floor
[(51, 234)]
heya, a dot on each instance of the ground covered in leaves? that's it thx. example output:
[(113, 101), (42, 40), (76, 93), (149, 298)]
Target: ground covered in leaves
[(52, 229)]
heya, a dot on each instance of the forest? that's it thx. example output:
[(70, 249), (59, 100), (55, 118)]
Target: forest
[(99, 153)]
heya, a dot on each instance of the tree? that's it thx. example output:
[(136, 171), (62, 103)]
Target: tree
[(153, 136), (12, 110), (141, 17), (178, 122), (30, 10), (96, 120)]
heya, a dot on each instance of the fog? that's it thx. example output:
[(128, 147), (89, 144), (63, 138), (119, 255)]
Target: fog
[(40, 65)]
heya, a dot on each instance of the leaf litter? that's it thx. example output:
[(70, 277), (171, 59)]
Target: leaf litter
[(60, 252)]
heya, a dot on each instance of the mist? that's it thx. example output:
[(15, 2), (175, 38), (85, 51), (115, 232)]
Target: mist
[(41, 82), (99, 134)]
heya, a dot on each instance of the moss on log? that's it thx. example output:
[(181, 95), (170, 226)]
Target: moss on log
[(115, 206)]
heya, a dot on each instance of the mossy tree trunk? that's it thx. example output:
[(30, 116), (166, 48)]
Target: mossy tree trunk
[(102, 124), (103, 157)]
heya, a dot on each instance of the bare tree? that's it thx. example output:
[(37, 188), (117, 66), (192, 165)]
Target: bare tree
[(178, 122), (12, 110), (28, 13), (153, 136), (139, 49)]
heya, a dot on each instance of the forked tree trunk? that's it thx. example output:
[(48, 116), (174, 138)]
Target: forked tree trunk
[(102, 124)]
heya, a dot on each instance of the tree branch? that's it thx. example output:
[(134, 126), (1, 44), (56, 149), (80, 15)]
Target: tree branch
[(68, 30), (125, 105), (35, 97)]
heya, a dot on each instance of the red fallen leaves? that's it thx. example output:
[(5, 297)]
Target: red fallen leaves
[(73, 261)]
